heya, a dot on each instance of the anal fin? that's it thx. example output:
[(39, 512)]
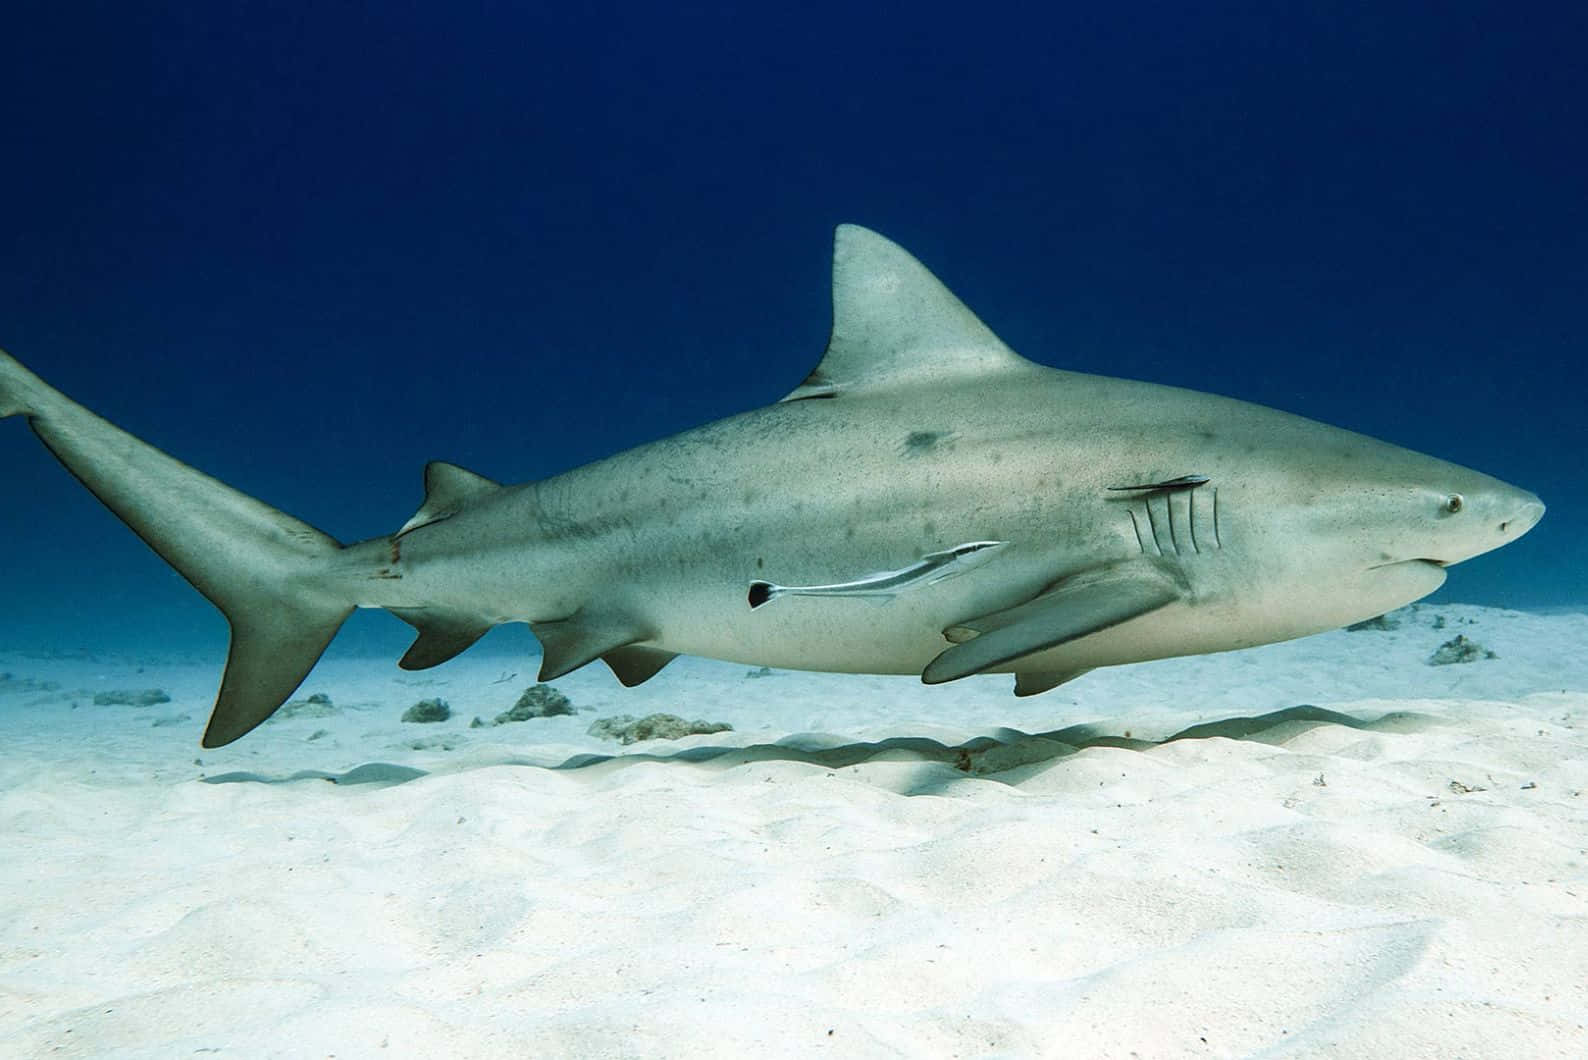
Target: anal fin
[(569, 643), (441, 636), (1078, 605), (635, 665)]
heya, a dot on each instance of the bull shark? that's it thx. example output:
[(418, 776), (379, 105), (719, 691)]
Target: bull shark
[(926, 501)]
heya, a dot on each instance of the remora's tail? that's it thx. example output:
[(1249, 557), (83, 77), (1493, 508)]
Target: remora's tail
[(268, 573)]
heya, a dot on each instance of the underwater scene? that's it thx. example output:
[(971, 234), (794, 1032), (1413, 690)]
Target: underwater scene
[(901, 531)]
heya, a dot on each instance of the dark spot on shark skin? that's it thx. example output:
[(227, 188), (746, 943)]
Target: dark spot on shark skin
[(930, 530), (918, 443), (760, 562)]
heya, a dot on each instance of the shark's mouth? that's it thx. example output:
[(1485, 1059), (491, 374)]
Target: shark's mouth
[(1393, 585), (1439, 563)]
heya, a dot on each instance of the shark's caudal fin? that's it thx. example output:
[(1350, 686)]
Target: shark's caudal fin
[(269, 574)]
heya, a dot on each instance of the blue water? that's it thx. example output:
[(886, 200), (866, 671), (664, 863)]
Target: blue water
[(309, 248)]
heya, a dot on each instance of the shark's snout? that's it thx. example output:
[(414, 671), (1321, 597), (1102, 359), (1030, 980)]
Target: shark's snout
[(1505, 514), (1487, 514), (1528, 510)]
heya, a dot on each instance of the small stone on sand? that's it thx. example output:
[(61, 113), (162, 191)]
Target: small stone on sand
[(428, 711), (627, 729), (538, 701)]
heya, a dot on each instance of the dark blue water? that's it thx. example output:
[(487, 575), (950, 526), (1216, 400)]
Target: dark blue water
[(309, 248)]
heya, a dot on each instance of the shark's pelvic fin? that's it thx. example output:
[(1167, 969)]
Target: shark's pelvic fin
[(1076, 606), (441, 637), (569, 643), (448, 488), (1035, 682), (636, 665), (273, 577), (895, 323)]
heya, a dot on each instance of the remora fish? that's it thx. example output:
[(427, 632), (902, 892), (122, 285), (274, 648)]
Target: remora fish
[(1138, 521), (933, 568)]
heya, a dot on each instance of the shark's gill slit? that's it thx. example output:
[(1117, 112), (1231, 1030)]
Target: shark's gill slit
[(1152, 528), (1218, 541), (1134, 525), (1174, 538), (1191, 520)]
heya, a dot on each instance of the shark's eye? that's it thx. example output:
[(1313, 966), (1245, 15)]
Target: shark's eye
[(1453, 503)]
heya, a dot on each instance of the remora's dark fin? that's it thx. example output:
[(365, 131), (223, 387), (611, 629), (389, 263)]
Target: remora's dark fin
[(275, 578), (1078, 605), (894, 322), (635, 665), (570, 643), (448, 488), (441, 636), (1184, 482), (1035, 682)]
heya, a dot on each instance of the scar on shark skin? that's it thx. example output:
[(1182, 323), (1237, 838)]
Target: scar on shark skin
[(389, 572)]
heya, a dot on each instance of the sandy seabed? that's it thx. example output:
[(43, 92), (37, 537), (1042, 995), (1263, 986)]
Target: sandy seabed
[(1323, 848)]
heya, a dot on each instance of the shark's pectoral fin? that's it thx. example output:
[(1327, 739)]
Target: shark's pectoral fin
[(441, 636), (448, 488), (635, 665), (569, 643), (1081, 604), (1035, 682)]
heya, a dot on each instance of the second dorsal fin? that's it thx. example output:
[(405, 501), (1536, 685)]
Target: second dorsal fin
[(448, 488)]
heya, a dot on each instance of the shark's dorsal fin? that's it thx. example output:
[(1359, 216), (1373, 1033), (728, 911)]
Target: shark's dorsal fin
[(894, 322), (448, 488)]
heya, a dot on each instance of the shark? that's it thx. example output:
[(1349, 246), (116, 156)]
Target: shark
[(926, 501)]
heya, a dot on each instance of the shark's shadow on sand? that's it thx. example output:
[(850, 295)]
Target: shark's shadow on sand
[(1008, 756)]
